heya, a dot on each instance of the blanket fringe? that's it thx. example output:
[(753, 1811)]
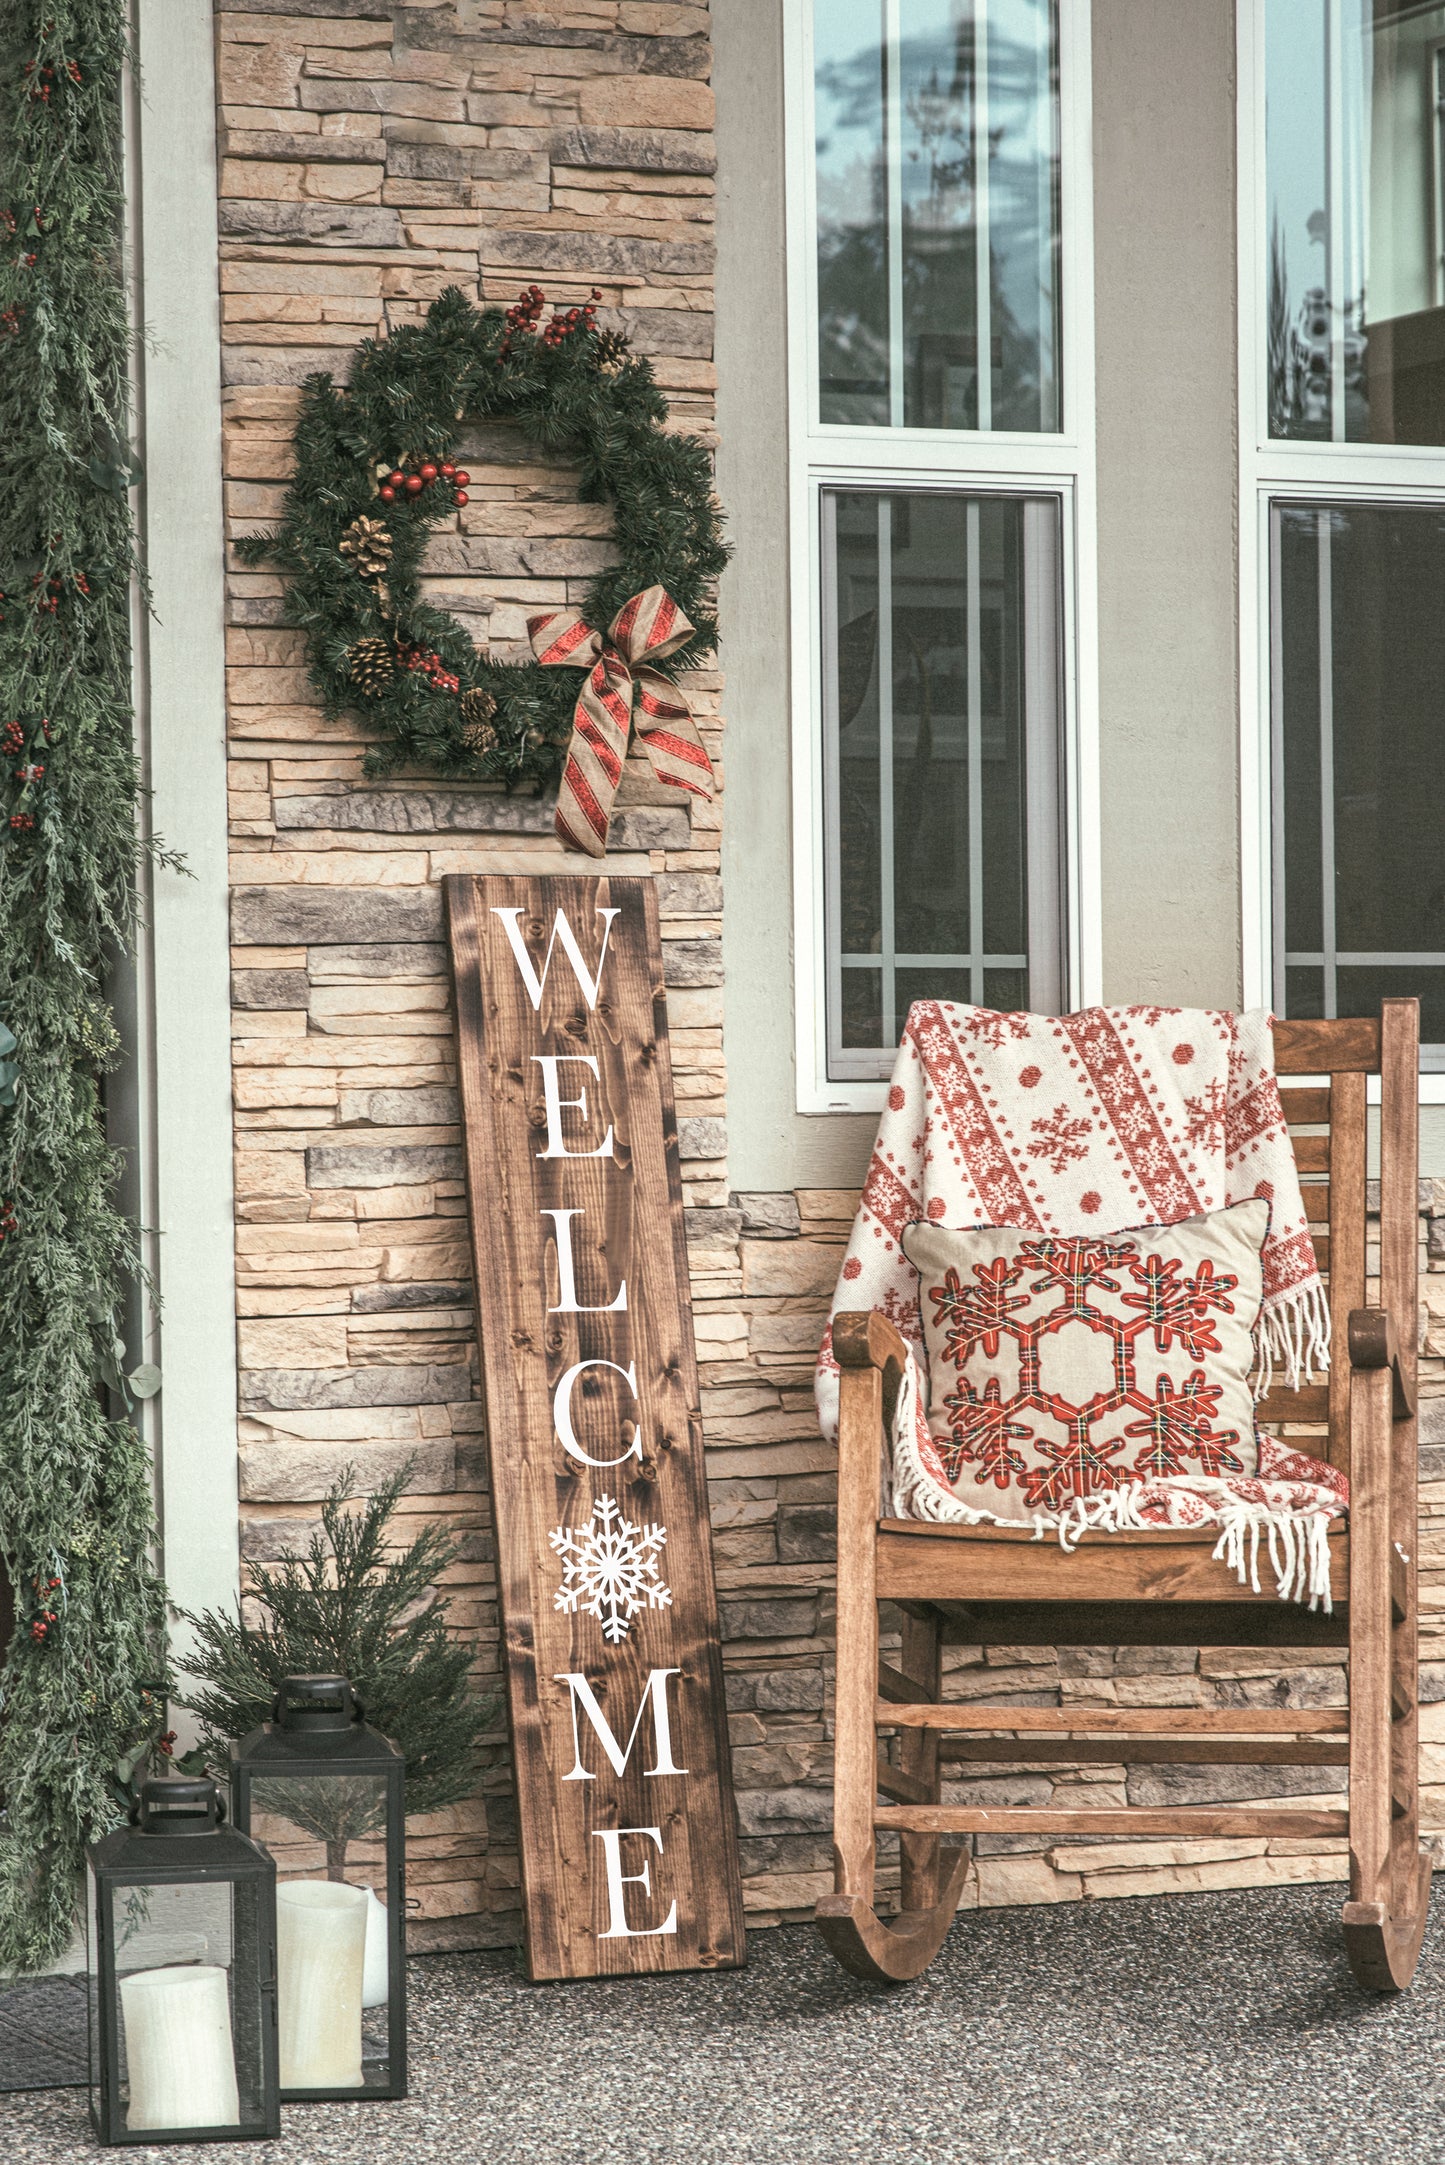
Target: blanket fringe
[(1298, 1542), (1292, 1334)]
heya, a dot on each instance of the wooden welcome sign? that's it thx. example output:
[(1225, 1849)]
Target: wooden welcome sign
[(614, 1669)]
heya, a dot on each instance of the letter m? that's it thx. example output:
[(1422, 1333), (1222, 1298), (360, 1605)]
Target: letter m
[(654, 1694)]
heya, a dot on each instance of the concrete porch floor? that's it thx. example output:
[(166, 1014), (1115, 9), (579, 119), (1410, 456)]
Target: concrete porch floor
[(1190, 2029)]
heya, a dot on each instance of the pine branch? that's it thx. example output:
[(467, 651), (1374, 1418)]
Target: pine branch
[(351, 1606)]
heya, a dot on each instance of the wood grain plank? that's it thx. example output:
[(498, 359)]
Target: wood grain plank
[(1144, 1570), (642, 1451), (1347, 1247), (1400, 1296), (1306, 1108), (860, 1426), (1211, 1820), (1312, 1153), (1143, 1751), (1121, 1720), (1327, 1048)]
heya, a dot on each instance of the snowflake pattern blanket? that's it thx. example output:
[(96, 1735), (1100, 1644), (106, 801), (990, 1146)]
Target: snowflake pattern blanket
[(1097, 1123)]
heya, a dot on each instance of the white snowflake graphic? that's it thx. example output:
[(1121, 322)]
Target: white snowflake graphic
[(609, 1568)]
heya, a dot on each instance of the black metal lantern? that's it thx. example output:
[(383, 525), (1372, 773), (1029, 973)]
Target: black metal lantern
[(181, 1940), (322, 1792)]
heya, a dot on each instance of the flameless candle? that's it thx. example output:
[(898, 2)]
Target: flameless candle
[(178, 2048), (320, 1957), (376, 1976)]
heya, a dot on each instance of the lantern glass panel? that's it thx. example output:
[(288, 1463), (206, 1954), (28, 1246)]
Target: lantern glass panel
[(182, 2021), (323, 1794), (330, 1829)]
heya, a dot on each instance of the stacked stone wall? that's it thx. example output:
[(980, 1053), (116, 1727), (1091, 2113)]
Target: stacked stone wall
[(371, 155)]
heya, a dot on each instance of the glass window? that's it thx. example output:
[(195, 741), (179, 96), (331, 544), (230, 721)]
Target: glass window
[(941, 705), (1355, 256), (1358, 658), (938, 265)]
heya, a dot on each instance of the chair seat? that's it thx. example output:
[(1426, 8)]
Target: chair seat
[(920, 1561)]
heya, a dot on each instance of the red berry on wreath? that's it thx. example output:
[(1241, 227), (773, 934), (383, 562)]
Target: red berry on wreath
[(428, 472), (460, 497), (461, 477), (396, 478), (387, 494), (414, 484), (448, 470)]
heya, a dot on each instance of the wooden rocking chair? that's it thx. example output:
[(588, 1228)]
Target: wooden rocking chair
[(995, 1585)]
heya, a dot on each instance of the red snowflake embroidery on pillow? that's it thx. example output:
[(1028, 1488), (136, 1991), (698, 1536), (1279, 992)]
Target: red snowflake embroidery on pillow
[(976, 1315), (1176, 1308), (983, 1435), (1180, 1426)]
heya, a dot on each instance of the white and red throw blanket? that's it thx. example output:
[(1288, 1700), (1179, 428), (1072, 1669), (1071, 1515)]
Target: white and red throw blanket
[(1096, 1123)]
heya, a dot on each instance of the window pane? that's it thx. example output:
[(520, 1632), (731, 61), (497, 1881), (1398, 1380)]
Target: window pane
[(1356, 239), (941, 721), (938, 268), (1359, 657)]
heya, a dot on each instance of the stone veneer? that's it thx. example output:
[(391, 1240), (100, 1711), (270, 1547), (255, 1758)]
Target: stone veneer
[(372, 155)]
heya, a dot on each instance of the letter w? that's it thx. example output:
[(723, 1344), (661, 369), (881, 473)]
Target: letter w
[(562, 931), (654, 1692)]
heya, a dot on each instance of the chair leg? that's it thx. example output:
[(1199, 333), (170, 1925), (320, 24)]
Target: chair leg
[(1384, 1919), (922, 1662), (855, 1934)]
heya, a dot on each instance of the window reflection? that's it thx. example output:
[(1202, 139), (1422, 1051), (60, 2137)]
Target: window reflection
[(1356, 221), (938, 274), (941, 721), (1358, 660)]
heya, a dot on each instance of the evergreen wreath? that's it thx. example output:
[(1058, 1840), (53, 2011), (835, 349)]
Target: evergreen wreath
[(81, 1692), (376, 473)]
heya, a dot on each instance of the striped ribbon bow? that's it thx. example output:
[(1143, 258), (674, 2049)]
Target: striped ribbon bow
[(649, 624)]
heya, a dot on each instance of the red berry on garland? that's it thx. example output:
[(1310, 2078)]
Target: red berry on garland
[(414, 484), (448, 470), (428, 472), (460, 497), (461, 477), (387, 494), (396, 478)]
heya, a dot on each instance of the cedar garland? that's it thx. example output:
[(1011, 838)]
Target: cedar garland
[(376, 474), (82, 1675)]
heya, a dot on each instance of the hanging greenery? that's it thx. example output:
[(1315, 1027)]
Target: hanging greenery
[(83, 1676), (377, 473)]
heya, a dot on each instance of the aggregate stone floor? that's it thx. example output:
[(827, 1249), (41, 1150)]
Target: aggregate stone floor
[(1188, 2030)]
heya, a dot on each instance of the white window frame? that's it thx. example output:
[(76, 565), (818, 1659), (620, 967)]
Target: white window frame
[(1271, 469), (830, 455)]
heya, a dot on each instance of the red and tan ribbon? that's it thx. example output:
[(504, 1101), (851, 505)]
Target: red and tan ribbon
[(620, 688)]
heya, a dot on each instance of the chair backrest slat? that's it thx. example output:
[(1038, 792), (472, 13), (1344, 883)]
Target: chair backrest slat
[(1349, 1045), (1347, 1242)]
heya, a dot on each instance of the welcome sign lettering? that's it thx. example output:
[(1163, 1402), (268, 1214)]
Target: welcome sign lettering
[(599, 1494)]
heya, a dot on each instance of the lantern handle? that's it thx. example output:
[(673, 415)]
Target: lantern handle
[(294, 1689), (178, 1804)]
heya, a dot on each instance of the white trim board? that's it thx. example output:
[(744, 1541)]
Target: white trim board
[(180, 691), (1062, 465), (1273, 469)]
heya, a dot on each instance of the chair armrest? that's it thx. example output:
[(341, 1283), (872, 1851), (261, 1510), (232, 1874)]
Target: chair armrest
[(864, 1339), (1374, 1343)]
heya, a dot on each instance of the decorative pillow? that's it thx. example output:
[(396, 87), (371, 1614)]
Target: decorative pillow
[(1062, 1369)]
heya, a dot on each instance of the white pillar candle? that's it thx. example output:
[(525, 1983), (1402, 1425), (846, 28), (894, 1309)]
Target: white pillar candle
[(178, 2048), (376, 1975), (320, 1957)]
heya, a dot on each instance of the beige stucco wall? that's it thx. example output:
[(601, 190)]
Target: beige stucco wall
[(1164, 218)]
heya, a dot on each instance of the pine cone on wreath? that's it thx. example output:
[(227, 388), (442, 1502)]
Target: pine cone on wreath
[(368, 544), (611, 350), (478, 733), (372, 666)]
